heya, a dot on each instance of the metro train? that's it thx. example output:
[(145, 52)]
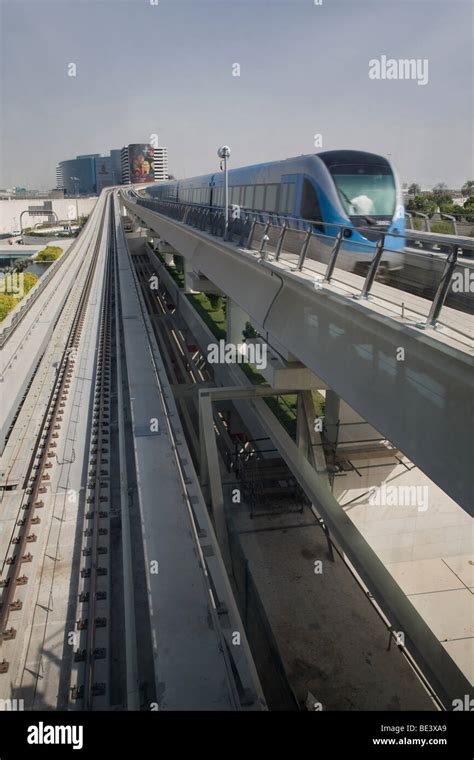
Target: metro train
[(358, 190)]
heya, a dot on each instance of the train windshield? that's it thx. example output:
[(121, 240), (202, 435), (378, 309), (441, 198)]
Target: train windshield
[(365, 190)]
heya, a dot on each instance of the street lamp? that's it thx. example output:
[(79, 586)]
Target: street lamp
[(224, 153), (75, 180)]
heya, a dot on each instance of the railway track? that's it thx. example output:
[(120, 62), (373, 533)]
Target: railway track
[(19, 552), (105, 661), (92, 622)]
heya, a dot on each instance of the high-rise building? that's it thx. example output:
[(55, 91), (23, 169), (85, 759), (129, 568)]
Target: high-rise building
[(103, 172), (160, 163), (77, 175), (59, 178), (141, 162), (90, 173), (116, 166)]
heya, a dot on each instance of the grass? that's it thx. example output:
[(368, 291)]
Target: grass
[(215, 319), (285, 407), (443, 228)]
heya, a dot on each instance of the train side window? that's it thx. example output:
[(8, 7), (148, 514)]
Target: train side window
[(282, 206), (248, 196), (310, 208), (259, 197), (290, 203), (271, 198)]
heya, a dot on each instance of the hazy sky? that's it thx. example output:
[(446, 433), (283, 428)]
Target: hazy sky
[(167, 69)]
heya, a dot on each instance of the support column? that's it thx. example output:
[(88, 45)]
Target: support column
[(188, 280), (308, 439), (332, 416), (237, 318)]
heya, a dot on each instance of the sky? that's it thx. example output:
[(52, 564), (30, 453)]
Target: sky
[(166, 67)]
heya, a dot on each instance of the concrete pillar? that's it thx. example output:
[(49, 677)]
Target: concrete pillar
[(188, 281), (308, 439), (332, 416), (302, 437), (237, 318)]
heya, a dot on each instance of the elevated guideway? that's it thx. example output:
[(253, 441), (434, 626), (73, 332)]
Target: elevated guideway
[(104, 531), (414, 385), (28, 330)]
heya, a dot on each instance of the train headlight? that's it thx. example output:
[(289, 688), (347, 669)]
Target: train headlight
[(347, 233)]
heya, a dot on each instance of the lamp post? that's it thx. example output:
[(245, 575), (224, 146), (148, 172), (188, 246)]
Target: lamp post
[(224, 153), (75, 180)]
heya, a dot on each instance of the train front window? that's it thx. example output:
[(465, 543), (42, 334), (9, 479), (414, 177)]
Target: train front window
[(365, 190)]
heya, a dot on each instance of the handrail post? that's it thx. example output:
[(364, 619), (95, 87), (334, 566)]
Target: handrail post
[(451, 219), (265, 239), (442, 292), (425, 219), (334, 254), (252, 230), (372, 271), (281, 237), (304, 247)]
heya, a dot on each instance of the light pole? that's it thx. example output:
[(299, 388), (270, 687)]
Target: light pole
[(75, 180), (224, 153)]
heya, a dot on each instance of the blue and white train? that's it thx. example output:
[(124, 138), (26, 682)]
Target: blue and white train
[(358, 190)]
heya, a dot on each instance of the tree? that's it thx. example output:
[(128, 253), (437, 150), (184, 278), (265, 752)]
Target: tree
[(21, 264), (422, 203), (440, 194), (414, 189), (468, 188)]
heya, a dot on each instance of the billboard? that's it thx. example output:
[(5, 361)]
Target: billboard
[(141, 157)]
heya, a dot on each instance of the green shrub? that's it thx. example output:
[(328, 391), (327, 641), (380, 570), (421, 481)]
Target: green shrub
[(7, 304), (29, 279), (50, 253)]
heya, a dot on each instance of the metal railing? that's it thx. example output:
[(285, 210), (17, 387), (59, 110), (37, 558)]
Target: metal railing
[(269, 232), (428, 221)]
